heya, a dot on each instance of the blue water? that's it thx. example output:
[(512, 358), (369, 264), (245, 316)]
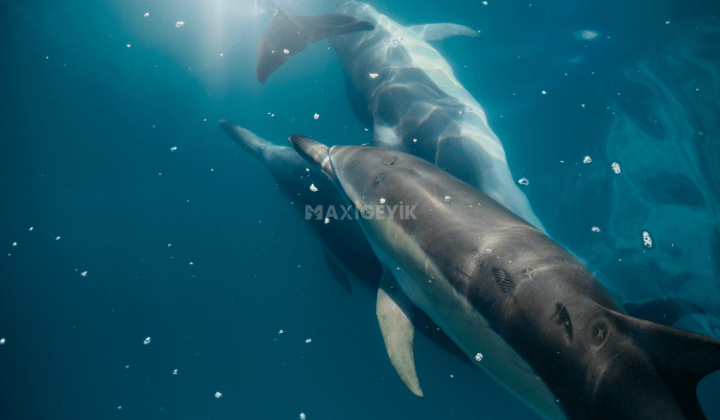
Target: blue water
[(112, 164)]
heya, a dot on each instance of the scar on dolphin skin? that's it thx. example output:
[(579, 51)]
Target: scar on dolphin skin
[(503, 280), (563, 318)]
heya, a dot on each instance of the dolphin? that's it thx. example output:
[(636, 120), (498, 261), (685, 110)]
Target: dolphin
[(402, 87), (347, 252), (517, 303)]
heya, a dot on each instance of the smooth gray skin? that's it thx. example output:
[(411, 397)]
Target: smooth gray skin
[(348, 253), (402, 87), (465, 258)]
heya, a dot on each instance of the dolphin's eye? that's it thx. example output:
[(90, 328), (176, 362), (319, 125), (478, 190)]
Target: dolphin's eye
[(390, 160)]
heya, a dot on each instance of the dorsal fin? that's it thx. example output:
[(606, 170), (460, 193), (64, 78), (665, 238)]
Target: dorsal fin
[(681, 358)]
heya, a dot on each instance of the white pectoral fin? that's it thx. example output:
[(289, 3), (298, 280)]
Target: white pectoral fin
[(395, 315), (440, 31)]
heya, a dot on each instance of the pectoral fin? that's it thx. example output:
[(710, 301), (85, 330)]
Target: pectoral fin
[(395, 315), (440, 31)]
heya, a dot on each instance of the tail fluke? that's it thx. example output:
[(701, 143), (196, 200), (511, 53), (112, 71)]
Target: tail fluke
[(289, 34)]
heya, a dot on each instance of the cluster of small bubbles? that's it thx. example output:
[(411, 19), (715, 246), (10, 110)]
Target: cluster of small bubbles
[(302, 416), (313, 188), (316, 116), (218, 395), (647, 240), (616, 168), (478, 357), (286, 51), (587, 159), (175, 372), (523, 181), (447, 198), (595, 229), (147, 341)]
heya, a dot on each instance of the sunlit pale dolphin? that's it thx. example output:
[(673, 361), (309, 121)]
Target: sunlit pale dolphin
[(407, 92), (515, 301)]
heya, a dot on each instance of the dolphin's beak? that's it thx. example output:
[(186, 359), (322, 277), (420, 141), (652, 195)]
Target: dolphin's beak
[(316, 153)]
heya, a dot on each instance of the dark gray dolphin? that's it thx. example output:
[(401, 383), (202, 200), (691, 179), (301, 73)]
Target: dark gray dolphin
[(347, 252), (407, 92), (515, 301)]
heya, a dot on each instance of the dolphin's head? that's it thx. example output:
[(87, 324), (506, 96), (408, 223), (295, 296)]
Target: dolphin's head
[(314, 152)]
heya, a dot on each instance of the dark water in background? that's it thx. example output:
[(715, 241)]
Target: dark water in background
[(86, 162)]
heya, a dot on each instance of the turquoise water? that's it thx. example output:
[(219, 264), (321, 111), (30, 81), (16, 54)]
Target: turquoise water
[(113, 165)]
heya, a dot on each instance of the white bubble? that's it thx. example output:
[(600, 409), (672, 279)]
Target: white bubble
[(2, 341), (382, 200), (616, 168), (647, 240), (128, 45), (147, 341), (31, 228), (313, 188), (327, 220), (14, 243), (119, 407), (544, 93), (175, 372), (281, 331), (316, 116), (57, 239), (447, 198), (286, 51), (587, 159), (146, 14), (174, 148), (374, 75), (586, 35), (179, 24), (478, 357), (523, 181), (595, 229), (308, 340), (84, 273), (218, 395), (302, 416)]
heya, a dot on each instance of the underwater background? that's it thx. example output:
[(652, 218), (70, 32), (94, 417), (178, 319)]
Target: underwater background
[(148, 263)]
